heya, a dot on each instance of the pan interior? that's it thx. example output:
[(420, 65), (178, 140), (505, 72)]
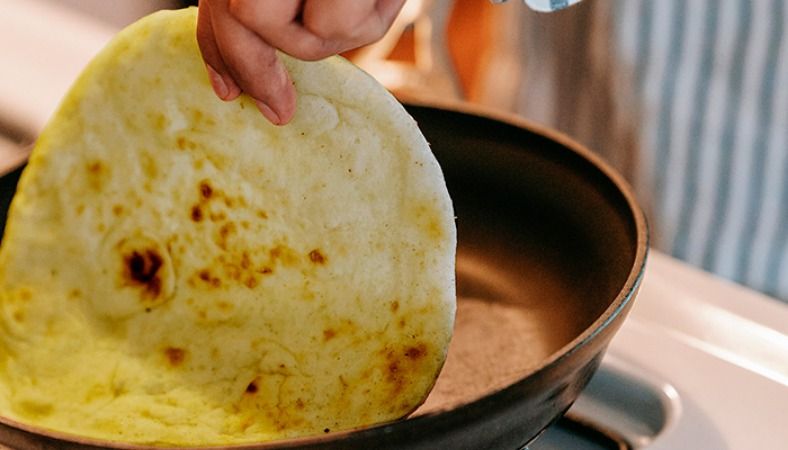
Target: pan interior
[(546, 243)]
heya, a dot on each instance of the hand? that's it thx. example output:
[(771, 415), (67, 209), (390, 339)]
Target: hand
[(238, 40)]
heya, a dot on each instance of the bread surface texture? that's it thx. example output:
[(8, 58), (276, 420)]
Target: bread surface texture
[(178, 271)]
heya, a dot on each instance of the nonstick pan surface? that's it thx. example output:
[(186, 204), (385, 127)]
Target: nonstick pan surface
[(552, 248)]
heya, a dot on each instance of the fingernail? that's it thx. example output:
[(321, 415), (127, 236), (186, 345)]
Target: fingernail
[(218, 83), (268, 113)]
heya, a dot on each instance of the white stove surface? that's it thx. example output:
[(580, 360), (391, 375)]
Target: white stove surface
[(699, 363), (711, 354)]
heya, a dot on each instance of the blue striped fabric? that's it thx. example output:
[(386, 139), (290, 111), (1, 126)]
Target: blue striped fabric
[(700, 104), (729, 131), (763, 122), (717, 146), (665, 135), (694, 96)]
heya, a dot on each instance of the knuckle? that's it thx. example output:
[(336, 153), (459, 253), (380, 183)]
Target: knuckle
[(316, 49), (324, 29)]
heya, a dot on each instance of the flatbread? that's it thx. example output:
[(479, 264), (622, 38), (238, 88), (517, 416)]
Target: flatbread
[(176, 270)]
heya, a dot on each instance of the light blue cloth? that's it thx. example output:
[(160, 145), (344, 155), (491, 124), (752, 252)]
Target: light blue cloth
[(689, 99)]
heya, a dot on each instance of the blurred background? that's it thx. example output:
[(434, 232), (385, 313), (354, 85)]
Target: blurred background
[(470, 50), (578, 72)]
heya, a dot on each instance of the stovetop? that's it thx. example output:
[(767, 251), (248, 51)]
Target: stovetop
[(699, 363)]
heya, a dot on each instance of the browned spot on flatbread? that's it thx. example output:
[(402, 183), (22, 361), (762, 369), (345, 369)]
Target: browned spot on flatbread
[(225, 305), (329, 334), (97, 174), (159, 121), (252, 387), (183, 144), (415, 352), (208, 278), (224, 233), (95, 167), (246, 261), (284, 255), (206, 190), (196, 213), (142, 269), (175, 356), (401, 364), (317, 257), (429, 220)]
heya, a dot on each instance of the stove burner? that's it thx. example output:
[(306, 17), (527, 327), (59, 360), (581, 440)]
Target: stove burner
[(574, 433)]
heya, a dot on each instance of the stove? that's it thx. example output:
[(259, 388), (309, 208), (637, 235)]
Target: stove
[(700, 363)]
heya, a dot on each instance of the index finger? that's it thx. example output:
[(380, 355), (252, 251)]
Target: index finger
[(254, 66)]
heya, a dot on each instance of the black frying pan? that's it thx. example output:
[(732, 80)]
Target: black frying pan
[(552, 248)]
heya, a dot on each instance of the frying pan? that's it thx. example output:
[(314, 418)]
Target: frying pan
[(552, 249)]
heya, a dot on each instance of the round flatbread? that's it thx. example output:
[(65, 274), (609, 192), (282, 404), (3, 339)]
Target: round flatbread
[(177, 270)]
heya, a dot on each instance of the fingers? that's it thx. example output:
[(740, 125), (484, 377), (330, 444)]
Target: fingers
[(350, 23), (221, 80), (239, 38), (248, 61), (278, 22), (315, 29)]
